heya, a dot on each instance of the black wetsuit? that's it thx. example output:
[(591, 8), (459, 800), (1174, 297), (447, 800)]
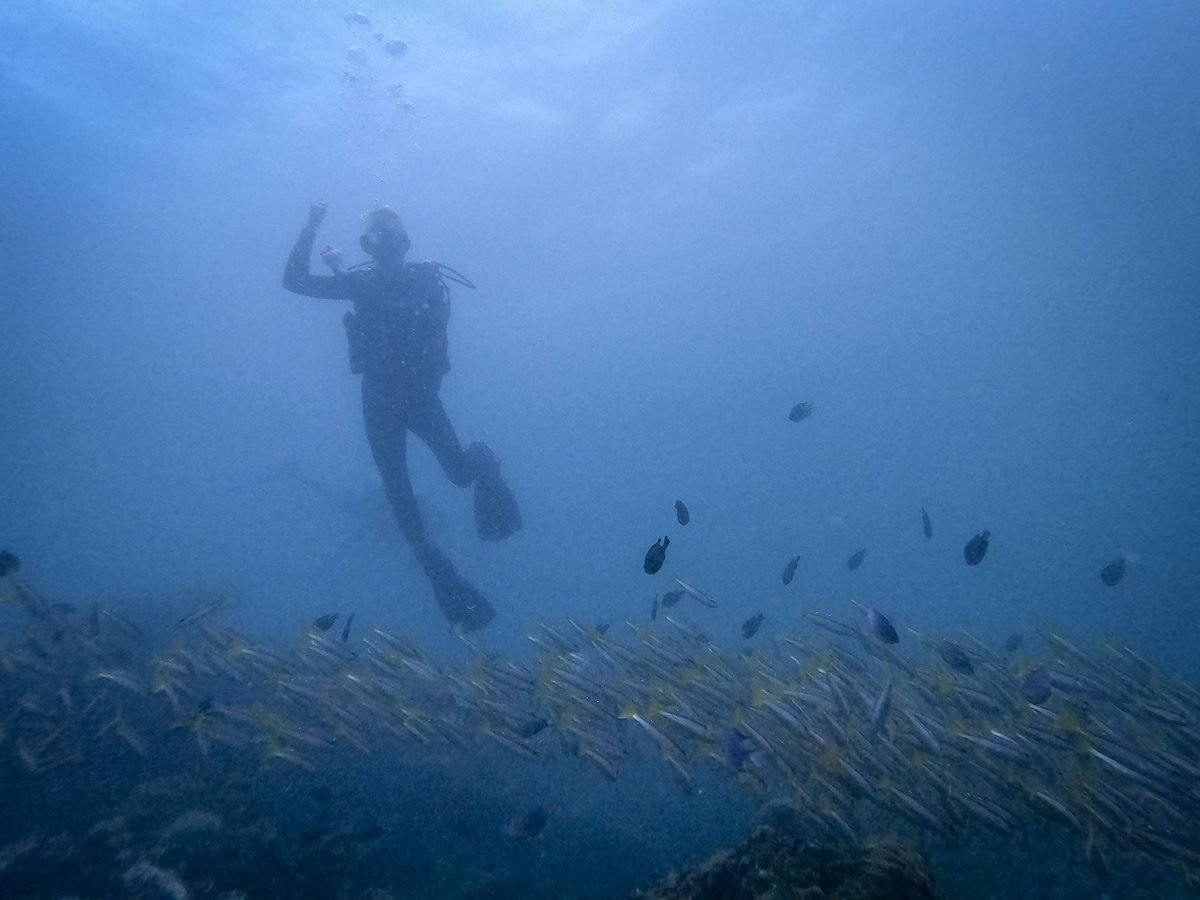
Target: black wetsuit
[(398, 343)]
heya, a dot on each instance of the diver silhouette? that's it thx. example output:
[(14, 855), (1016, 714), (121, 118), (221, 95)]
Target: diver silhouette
[(398, 344)]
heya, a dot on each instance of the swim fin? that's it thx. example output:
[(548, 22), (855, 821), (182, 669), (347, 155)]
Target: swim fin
[(496, 513), (463, 605), (465, 608)]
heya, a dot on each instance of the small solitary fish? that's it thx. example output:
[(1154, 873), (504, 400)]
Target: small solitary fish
[(526, 825), (325, 622), (800, 412), (881, 627), (856, 560), (735, 749), (8, 562), (1036, 686), (681, 512), (654, 609), (751, 625), (531, 727), (926, 524), (656, 555), (789, 571), (1113, 572), (346, 628), (977, 548), (956, 658), (670, 598)]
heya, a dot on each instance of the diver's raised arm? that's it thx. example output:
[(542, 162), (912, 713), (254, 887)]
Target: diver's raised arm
[(316, 215), (296, 277)]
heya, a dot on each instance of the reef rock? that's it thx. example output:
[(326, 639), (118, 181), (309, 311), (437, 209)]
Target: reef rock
[(773, 865)]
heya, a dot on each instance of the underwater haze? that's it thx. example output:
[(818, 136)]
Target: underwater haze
[(966, 233)]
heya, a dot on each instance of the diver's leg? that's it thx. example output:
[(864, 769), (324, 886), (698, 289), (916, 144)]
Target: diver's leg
[(496, 513), (429, 422), (386, 419), (388, 416)]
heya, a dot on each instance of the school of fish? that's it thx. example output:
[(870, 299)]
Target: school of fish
[(861, 725)]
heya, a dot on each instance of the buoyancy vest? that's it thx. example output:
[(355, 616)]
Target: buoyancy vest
[(397, 330)]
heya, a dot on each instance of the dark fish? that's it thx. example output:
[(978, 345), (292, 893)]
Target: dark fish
[(789, 571), (781, 815), (654, 609), (531, 727), (1014, 642), (926, 524), (526, 825), (346, 628), (670, 598), (751, 625), (956, 658), (681, 512), (325, 622), (1036, 686), (656, 555), (8, 562), (735, 748), (800, 411), (977, 548), (1113, 572), (602, 628), (856, 560), (882, 627)]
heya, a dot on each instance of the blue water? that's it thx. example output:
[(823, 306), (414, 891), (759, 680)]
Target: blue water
[(966, 233)]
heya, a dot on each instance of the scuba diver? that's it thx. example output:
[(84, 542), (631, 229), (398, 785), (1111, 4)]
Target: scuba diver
[(398, 343)]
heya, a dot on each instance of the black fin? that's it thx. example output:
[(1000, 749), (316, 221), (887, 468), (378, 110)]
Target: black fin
[(496, 513), (463, 605)]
